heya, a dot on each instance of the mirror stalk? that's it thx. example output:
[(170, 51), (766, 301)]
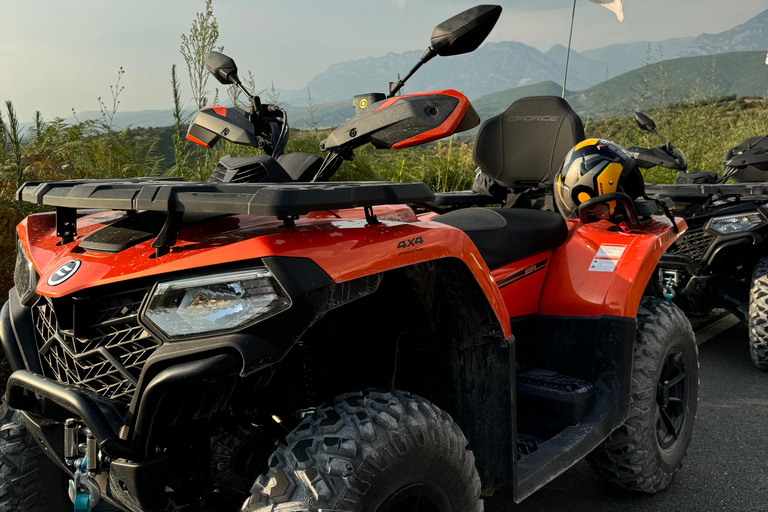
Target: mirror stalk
[(245, 91), (394, 87), (662, 139)]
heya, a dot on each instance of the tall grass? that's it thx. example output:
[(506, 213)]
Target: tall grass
[(703, 130)]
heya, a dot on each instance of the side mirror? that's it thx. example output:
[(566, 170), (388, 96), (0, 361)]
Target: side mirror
[(222, 68), (644, 122), (466, 31)]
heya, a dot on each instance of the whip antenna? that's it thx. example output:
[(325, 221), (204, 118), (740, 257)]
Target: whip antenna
[(568, 54)]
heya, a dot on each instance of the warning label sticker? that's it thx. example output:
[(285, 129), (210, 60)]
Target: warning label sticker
[(607, 258)]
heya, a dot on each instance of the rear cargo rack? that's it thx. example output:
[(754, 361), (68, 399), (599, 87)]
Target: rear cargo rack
[(286, 201), (729, 189)]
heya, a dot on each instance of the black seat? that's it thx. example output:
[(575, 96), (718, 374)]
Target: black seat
[(504, 235), (525, 146)]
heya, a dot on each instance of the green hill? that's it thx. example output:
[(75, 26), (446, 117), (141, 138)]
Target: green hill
[(684, 79)]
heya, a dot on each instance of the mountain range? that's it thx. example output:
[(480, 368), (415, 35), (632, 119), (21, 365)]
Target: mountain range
[(499, 66), (737, 73), (508, 69)]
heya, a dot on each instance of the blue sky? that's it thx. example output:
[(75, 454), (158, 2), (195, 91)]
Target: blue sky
[(55, 55)]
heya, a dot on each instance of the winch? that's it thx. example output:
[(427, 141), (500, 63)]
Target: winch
[(85, 459)]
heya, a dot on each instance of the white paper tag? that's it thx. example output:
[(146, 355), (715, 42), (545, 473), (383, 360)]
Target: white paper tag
[(607, 258)]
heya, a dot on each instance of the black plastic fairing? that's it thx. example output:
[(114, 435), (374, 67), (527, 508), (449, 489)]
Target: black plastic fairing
[(165, 400), (422, 116), (23, 329), (403, 118), (751, 158), (651, 157), (470, 120), (8, 339), (249, 169), (301, 167), (135, 229), (231, 124)]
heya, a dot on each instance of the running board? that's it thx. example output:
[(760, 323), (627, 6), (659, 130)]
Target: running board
[(558, 454)]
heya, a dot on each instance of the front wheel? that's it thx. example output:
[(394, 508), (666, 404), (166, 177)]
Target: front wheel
[(372, 452), (758, 315), (29, 480), (645, 453)]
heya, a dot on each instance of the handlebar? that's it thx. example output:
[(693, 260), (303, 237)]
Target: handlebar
[(619, 197)]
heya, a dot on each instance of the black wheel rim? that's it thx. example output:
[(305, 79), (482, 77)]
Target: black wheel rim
[(417, 497), (671, 399)]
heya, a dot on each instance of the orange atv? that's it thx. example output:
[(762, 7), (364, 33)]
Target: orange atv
[(248, 342)]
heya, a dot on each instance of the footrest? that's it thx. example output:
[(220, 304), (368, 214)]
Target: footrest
[(526, 445), (548, 402)]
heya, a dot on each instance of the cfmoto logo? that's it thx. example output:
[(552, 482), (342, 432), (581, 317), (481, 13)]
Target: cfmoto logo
[(64, 272)]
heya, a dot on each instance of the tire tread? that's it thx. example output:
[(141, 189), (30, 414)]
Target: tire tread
[(347, 447), (629, 456), (758, 315)]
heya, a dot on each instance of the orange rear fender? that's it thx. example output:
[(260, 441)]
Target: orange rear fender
[(601, 270)]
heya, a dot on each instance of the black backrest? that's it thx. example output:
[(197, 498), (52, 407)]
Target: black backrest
[(526, 145)]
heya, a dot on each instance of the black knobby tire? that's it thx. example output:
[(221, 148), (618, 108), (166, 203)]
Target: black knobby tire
[(372, 452), (645, 453), (758, 315), (29, 480)]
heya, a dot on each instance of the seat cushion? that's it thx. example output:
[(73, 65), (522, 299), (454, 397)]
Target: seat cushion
[(504, 235)]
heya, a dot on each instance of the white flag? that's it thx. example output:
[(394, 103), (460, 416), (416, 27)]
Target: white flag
[(615, 5)]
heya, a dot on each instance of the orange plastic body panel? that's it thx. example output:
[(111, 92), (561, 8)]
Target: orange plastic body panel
[(520, 283), (573, 289), (339, 242)]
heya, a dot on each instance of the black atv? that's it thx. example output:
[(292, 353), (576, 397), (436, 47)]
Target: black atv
[(721, 261)]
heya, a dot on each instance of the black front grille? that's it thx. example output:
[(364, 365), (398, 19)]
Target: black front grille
[(98, 344), (694, 244)]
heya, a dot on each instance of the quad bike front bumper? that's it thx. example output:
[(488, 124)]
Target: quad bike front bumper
[(118, 447), (111, 468), (93, 439)]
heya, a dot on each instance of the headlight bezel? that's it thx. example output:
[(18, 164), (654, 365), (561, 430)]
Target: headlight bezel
[(755, 219), (218, 278), (25, 276)]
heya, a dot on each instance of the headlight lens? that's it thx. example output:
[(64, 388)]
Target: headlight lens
[(24, 276), (736, 223), (221, 302)]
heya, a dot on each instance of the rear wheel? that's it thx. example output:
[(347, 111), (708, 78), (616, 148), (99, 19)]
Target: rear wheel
[(758, 315), (29, 480), (372, 452), (645, 453)]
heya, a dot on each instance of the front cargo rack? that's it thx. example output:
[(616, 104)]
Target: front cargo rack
[(286, 201)]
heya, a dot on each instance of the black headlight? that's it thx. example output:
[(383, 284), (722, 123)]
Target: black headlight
[(24, 276)]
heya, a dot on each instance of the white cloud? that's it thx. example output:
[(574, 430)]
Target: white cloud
[(400, 4)]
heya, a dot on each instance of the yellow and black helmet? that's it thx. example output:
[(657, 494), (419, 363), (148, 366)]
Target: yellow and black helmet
[(593, 168)]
